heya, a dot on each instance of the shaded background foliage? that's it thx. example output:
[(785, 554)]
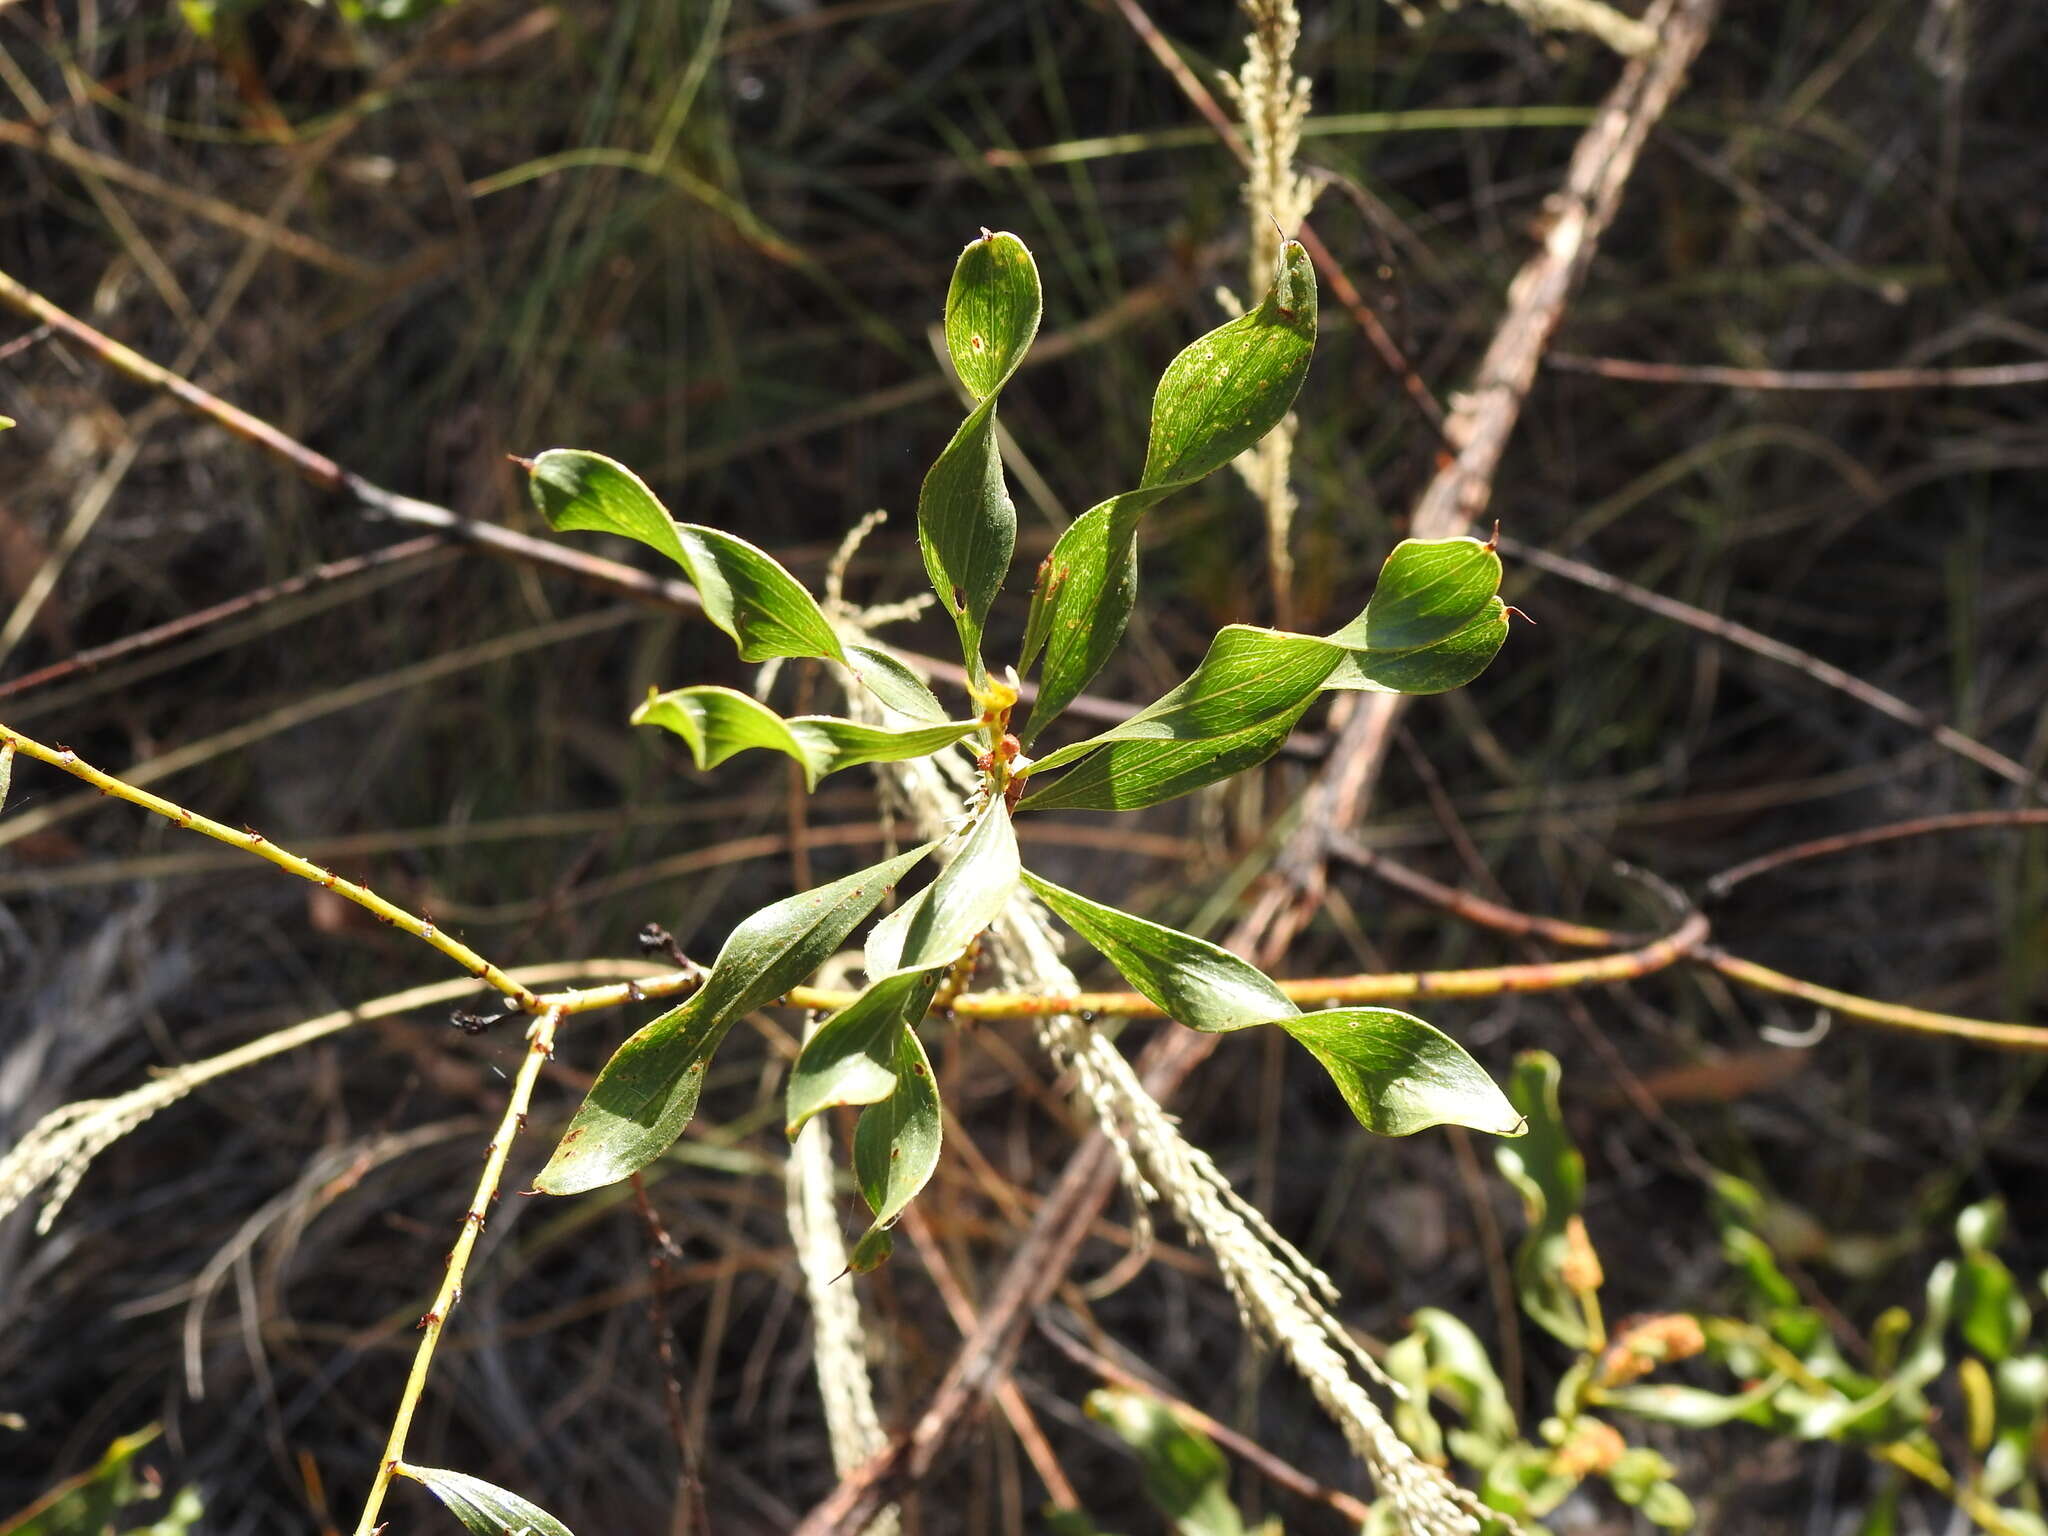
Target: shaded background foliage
[(736, 298)]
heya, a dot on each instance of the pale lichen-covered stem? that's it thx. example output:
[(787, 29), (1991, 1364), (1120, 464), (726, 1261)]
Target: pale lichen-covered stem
[(255, 842), (1624, 34), (1280, 1295), (1272, 100), (839, 1337), (540, 1045)]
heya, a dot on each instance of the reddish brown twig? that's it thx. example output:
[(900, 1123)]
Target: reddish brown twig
[(190, 623), (1846, 842), (1887, 704), (687, 1513), (1059, 1488), (1281, 1474), (1814, 380)]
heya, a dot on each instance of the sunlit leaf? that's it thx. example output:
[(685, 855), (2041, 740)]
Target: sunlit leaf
[(2020, 1405), (1249, 675), (1666, 1505), (992, 310), (852, 1057), (966, 523), (484, 1508), (1991, 1313), (1128, 775), (1400, 1075), (745, 592), (1397, 1073), (895, 684), (1216, 399), (1230, 388), (1081, 602), (92, 1501), (1201, 984), (717, 722), (1435, 620), (868, 1053), (1462, 1370), (896, 1143), (648, 1091), (1689, 1407)]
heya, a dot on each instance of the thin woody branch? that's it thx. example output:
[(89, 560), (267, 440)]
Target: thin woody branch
[(251, 841), (540, 1045), (445, 523)]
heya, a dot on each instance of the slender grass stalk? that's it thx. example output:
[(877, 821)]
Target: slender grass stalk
[(1273, 102), (60, 1147), (540, 1045)]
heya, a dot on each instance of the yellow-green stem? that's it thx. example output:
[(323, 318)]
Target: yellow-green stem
[(540, 1045), (255, 842)]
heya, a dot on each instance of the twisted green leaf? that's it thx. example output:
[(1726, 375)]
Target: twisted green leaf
[(966, 522), (868, 1053), (852, 1057), (648, 1091), (745, 591), (1397, 1073), (1215, 400), (484, 1508), (1435, 620), (716, 722)]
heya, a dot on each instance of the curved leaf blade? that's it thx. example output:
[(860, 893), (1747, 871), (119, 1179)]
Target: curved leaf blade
[(1230, 388), (1397, 1073), (1201, 984), (716, 722), (1434, 621), (1083, 599), (1400, 1075), (896, 1143), (966, 522), (895, 684), (745, 591), (1248, 675), (1128, 775), (484, 1508), (992, 311), (849, 1058), (648, 1091), (1427, 590), (1549, 1173), (1216, 399)]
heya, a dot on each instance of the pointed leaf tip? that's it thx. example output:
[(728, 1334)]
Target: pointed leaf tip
[(484, 1508)]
